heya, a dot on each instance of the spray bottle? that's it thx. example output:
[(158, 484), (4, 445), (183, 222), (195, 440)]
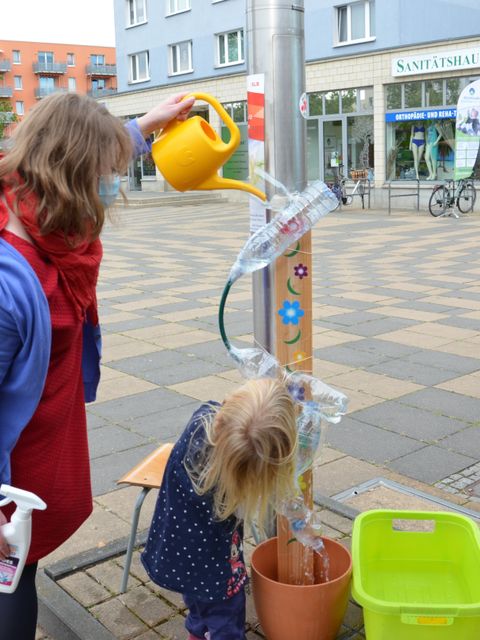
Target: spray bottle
[(17, 533)]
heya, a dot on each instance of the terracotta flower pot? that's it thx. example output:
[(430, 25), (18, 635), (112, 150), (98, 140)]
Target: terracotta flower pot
[(295, 612)]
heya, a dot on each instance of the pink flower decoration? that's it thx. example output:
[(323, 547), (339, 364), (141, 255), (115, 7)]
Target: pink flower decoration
[(301, 271)]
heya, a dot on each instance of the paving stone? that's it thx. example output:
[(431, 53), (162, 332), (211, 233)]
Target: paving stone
[(163, 426), (430, 464), (151, 361), (119, 620), (109, 574), (347, 355), (84, 589), (383, 348), (444, 403), (415, 372), (148, 607), (111, 439), (141, 404), (369, 443), (186, 371), (411, 421), (173, 629), (378, 327), (466, 442), (446, 361), (107, 470)]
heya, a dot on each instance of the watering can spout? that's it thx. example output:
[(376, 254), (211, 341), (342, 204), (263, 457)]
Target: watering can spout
[(217, 182)]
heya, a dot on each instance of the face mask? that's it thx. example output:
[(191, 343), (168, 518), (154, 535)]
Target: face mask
[(108, 189)]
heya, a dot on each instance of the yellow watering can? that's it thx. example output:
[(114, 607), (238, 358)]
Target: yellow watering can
[(190, 153)]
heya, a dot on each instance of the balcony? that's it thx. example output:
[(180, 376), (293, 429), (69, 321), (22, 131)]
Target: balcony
[(6, 92), (101, 70), (102, 93), (43, 92), (5, 65), (50, 68)]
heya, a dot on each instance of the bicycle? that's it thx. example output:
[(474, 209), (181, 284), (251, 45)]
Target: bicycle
[(338, 186), (446, 196)]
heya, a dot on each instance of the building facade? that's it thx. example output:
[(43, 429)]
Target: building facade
[(30, 71), (382, 77)]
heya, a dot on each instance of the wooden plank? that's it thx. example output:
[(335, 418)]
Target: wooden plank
[(293, 349)]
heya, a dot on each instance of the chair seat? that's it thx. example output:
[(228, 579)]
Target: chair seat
[(149, 471)]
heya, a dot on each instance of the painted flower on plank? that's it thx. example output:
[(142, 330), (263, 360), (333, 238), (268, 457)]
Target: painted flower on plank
[(291, 312)]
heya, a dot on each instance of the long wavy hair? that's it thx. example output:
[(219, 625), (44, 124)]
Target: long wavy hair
[(248, 461), (66, 142)]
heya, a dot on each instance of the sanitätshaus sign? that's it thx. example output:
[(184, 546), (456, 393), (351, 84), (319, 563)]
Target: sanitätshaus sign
[(437, 62)]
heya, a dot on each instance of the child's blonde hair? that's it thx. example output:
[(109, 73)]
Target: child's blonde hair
[(249, 459), (66, 142)]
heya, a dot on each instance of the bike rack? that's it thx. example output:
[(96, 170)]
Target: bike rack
[(403, 195), (366, 186)]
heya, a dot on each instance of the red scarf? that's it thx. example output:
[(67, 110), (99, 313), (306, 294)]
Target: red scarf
[(78, 266)]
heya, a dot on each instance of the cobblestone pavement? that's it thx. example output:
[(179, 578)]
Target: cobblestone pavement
[(396, 326)]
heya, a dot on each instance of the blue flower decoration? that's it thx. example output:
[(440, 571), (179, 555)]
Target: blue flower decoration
[(297, 392), (291, 312)]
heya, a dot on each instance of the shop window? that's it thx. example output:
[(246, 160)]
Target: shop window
[(413, 95), (230, 48), (453, 90), (434, 93), (181, 58), (237, 167), (355, 22), (349, 101), (332, 102), (425, 147), (365, 99), (394, 96), (360, 142), (148, 165), (315, 104)]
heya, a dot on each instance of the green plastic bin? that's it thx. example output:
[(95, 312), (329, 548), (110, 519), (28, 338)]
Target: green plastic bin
[(417, 575)]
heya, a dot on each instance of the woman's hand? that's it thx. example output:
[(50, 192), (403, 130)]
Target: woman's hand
[(4, 548), (163, 113)]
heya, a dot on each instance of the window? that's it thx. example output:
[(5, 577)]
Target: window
[(355, 22), (97, 59), (181, 57), (176, 6), (18, 84), (139, 67), (16, 56), (356, 100), (98, 84), (70, 59), (230, 48), (19, 108), (136, 12), (45, 57), (72, 84), (47, 85)]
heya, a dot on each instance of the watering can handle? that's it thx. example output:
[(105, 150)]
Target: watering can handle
[(232, 127)]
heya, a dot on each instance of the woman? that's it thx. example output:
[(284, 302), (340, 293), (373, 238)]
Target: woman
[(60, 175)]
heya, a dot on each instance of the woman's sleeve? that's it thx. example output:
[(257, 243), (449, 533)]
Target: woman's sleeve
[(9, 340), (140, 145)]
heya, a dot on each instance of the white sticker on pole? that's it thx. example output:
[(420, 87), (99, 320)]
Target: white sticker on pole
[(256, 145)]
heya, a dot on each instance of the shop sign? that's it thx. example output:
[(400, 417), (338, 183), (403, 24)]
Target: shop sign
[(467, 125), (436, 62), (425, 114)]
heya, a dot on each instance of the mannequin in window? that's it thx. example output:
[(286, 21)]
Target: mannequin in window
[(417, 145), (433, 137)]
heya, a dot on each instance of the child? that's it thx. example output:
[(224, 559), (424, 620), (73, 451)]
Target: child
[(230, 463)]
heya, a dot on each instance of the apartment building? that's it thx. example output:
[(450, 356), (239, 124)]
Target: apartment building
[(375, 69), (30, 71)]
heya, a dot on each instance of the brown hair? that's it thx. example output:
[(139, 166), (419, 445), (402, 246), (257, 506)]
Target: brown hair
[(59, 151), (249, 459)]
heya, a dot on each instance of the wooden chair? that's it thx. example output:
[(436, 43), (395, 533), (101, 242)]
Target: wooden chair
[(147, 474)]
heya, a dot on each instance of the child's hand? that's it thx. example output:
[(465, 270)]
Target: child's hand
[(162, 114), (4, 548)]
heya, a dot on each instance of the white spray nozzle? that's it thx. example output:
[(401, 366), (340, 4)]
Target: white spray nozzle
[(25, 500)]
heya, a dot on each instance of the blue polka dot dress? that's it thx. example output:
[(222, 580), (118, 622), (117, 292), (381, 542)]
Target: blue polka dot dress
[(187, 549)]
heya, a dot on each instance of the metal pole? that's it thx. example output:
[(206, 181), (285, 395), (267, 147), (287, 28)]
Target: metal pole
[(275, 40), (275, 47)]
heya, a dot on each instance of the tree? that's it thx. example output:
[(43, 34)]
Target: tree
[(7, 116)]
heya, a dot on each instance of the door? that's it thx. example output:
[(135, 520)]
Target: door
[(332, 145)]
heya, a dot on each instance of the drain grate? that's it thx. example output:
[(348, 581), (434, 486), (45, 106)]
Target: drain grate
[(381, 493)]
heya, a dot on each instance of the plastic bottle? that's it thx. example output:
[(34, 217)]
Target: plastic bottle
[(302, 211), (17, 533)]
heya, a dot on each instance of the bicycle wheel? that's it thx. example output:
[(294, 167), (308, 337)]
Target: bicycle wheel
[(466, 198), (437, 205)]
